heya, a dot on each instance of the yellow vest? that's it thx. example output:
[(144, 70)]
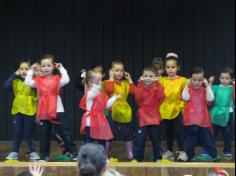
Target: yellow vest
[(121, 110), (25, 101), (172, 105)]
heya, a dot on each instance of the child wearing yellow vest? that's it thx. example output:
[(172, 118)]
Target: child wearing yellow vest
[(23, 111), (172, 106), (121, 110)]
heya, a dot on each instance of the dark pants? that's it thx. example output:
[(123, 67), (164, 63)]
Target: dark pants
[(227, 134), (45, 136), (88, 138), (125, 129), (23, 126), (174, 128), (154, 132), (193, 134)]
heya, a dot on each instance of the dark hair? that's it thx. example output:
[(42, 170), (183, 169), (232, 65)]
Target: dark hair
[(25, 174), (48, 56), (229, 71), (198, 70), (91, 159), (151, 69), (172, 56)]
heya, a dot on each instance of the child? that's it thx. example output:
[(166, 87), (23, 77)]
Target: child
[(172, 107), (23, 111), (94, 122), (149, 95), (222, 111), (50, 108), (197, 122), (121, 110), (157, 63)]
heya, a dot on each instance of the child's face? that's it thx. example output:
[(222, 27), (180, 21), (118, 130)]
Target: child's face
[(148, 78), (47, 67), (118, 70), (24, 67), (97, 78), (197, 80), (225, 79), (159, 68), (171, 68)]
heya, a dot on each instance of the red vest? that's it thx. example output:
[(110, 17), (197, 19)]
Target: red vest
[(48, 90), (99, 126), (149, 100), (196, 112)]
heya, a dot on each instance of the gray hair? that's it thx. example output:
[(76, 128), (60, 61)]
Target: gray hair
[(91, 160)]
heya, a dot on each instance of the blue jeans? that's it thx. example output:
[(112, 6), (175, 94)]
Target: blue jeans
[(154, 132), (195, 133), (23, 127)]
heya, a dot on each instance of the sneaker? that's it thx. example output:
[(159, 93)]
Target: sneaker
[(201, 158), (183, 157), (228, 155), (114, 160), (134, 161), (204, 153), (44, 160), (168, 155), (216, 159), (12, 156), (34, 156)]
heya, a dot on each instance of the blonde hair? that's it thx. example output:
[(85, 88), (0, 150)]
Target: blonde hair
[(116, 63), (90, 75)]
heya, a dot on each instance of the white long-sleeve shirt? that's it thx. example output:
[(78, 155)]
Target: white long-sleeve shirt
[(64, 81), (209, 94), (92, 94)]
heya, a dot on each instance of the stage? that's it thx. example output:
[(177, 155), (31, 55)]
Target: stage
[(128, 169)]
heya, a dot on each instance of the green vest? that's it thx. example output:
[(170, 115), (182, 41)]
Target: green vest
[(220, 112), (25, 101)]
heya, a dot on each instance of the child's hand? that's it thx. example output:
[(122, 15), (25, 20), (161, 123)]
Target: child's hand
[(141, 78), (17, 73), (233, 82), (58, 65), (36, 169), (211, 80), (118, 96), (205, 82), (128, 77), (111, 75)]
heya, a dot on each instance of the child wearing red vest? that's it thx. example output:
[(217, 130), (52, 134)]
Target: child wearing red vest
[(197, 122), (94, 124), (50, 108), (149, 95)]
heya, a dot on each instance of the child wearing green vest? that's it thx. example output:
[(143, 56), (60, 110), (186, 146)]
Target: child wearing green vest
[(222, 112), (23, 111)]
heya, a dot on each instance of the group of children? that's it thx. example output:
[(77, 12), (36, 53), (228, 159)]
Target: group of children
[(177, 104)]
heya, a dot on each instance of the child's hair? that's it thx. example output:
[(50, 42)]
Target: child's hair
[(150, 68), (172, 56), (229, 71), (117, 62), (197, 70), (90, 74), (24, 61), (158, 61), (48, 56), (91, 159)]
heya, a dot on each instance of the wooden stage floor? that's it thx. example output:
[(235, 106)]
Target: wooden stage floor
[(128, 169)]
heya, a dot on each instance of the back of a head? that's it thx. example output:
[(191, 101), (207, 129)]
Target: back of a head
[(91, 160), (25, 174)]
